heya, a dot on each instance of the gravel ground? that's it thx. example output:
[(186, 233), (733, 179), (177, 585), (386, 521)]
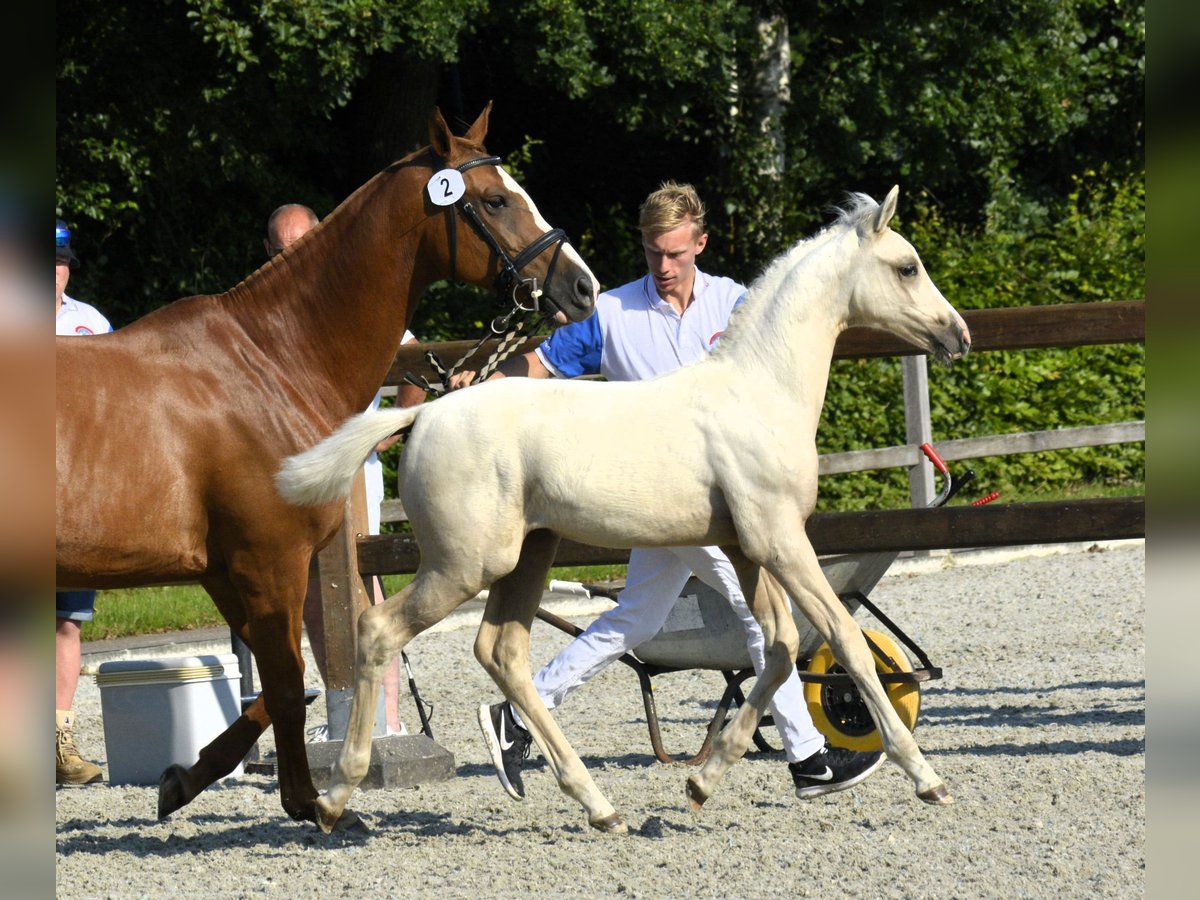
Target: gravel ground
[(1038, 728)]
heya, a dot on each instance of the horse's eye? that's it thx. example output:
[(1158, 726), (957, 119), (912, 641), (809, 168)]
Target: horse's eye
[(908, 271), (496, 201)]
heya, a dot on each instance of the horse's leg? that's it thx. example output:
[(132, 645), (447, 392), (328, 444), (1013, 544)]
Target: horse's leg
[(769, 605), (800, 574), (383, 631), (272, 586), (502, 648), (179, 786)]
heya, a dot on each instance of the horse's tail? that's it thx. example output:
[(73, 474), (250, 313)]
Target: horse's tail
[(325, 473)]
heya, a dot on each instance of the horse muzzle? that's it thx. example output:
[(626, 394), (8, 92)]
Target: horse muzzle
[(953, 344), (570, 296)]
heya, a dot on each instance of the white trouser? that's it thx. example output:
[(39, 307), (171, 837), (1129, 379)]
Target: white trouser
[(655, 580)]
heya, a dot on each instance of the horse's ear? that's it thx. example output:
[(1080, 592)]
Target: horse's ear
[(478, 131), (887, 209), (440, 137)]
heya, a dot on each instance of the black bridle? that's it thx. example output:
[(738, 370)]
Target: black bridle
[(512, 326), (509, 280)]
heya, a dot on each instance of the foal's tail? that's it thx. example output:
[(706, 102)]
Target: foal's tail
[(325, 473)]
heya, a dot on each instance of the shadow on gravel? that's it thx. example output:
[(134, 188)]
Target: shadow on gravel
[(1088, 705), (150, 837)]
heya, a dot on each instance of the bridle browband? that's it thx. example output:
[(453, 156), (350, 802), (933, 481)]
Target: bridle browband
[(509, 282)]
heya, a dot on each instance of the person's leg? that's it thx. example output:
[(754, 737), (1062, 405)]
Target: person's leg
[(67, 658), (652, 585), (788, 707), (373, 477), (71, 609)]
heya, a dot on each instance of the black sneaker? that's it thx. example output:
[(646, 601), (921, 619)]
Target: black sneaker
[(508, 744), (832, 769)]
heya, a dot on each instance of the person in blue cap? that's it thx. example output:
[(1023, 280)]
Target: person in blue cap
[(72, 608)]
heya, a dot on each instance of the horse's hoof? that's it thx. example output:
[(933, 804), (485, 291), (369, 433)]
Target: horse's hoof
[(172, 791), (936, 795), (613, 824), (328, 818), (350, 822), (695, 796)]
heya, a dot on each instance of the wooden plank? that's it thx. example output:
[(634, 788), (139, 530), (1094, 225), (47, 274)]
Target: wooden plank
[(875, 531), (990, 445), (993, 525), (343, 595), (1019, 328), (1010, 328)]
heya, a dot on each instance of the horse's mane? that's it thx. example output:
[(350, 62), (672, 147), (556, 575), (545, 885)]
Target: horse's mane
[(857, 209)]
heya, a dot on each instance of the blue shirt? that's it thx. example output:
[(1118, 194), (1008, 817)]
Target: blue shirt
[(635, 334)]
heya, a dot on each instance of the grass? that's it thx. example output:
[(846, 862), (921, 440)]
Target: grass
[(155, 610), (160, 609)]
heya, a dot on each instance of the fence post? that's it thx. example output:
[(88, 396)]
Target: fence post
[(917, 427), (343, 599)]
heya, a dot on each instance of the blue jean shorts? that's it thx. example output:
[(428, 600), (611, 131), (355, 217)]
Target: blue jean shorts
[(75, 605)]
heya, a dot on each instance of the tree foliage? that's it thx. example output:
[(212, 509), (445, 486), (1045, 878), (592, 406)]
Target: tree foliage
[(1015, 128)]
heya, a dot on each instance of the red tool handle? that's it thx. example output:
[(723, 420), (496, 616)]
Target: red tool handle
[(932, 454)]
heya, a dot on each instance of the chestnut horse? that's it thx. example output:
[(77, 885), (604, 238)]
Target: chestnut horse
[(171, 430), (722, 451)]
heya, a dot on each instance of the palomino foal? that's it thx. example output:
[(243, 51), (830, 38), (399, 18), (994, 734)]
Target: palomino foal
[(493, 477)]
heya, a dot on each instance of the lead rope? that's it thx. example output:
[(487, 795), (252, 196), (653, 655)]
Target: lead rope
[(513, 333)]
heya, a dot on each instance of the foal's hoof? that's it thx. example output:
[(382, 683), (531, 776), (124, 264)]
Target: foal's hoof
[(328, 818), (349, 822), (695, 796), (936, 795), (613, 824), (173, 792)]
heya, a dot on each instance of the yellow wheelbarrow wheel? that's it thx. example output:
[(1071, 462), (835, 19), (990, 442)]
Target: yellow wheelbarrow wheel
[(838, 710)]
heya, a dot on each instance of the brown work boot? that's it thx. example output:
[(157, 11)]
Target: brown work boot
[(69, 766)]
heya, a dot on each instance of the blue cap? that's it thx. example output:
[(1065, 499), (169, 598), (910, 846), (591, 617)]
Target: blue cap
[(62, 244)]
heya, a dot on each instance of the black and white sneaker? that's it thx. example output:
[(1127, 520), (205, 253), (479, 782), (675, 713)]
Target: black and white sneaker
[(508, 743), (832, 769)]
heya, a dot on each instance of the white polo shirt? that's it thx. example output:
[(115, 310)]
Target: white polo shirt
[(79, 318), (635, 334)]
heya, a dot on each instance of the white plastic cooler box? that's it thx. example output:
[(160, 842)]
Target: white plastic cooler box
[(160, 712)]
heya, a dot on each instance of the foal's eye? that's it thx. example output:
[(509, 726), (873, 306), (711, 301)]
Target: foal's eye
[(908, 271), (495, 202)]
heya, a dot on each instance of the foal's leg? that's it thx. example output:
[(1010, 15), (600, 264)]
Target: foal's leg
[(179, 786), (383, 631), (769, 605), (805, 581), (502, 648)]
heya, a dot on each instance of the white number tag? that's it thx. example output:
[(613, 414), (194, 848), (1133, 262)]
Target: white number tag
[(446, 187)]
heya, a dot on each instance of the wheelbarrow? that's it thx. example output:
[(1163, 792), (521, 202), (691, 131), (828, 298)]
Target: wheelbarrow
[(702, 632)]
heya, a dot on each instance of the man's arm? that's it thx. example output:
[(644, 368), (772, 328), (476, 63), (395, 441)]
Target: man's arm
[(527, 365)]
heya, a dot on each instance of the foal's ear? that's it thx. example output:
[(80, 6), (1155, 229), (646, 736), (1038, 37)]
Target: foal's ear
[(887, 209), (440, 137), (478, 131)]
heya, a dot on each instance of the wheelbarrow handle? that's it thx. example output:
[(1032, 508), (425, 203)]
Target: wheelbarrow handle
[(950, 485), (932, 456)]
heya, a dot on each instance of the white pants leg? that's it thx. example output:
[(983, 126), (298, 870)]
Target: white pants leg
[(655, 578)]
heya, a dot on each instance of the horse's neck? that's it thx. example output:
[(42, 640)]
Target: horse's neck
[(799, 309), (333, 313)]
